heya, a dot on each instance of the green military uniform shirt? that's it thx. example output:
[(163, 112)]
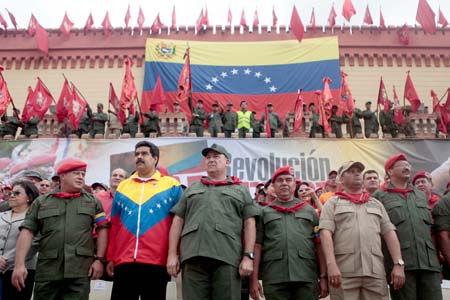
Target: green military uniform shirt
[(441, 214), (229, 120), (151, 124), (131, 125), (315, 126), (354, 127), (30, 127), (274, 120), (287, 239), (388, 124), (213, 221), (214, 123), (66, 247), (370, 122), (198, 120), (11, 125), (412, 218)]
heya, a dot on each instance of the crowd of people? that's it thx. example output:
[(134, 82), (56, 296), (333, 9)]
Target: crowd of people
[(226, 121), (349, 238)]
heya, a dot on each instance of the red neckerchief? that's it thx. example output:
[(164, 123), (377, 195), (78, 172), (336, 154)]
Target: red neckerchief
[(143, 180), (263, 203), (403, 192), (354, 198), (231, 180), (433, 200), (292, 209), (63, 195)]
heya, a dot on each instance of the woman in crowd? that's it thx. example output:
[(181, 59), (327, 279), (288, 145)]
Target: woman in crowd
[(305, 192), (22, 195)]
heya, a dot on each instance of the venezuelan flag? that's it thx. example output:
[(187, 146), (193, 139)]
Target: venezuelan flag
[(258, 72)]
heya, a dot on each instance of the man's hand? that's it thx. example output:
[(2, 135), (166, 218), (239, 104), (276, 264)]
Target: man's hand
[(96, 270), (323, 284), (398, 276), (246, 267), (334, 275), (18, 277), (3, 263), (110, 268), (256, 291), (173, 265)]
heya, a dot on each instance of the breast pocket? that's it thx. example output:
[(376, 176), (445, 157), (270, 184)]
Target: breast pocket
[(272, 225), (85, 217), (424, 212), (395, 212), (374, 216), (305, 223), (344, 215), (48, 219), (232, 202)]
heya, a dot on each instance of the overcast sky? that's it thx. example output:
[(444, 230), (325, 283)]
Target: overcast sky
[(50, 13)]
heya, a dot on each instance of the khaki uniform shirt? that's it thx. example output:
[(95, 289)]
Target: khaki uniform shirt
[(357, 231), (213, 221), (66, 248)]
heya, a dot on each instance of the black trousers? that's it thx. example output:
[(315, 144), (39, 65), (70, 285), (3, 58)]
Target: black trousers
[(10, 292), (134, 280)]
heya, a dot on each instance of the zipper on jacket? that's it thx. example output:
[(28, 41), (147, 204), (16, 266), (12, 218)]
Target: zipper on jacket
[(138, 227)]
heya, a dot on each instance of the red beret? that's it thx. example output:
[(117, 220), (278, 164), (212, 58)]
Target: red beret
[(393, 159), (421, 174), (286, 170), (70, 165)]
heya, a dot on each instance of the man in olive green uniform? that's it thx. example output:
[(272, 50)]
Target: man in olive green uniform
[(85, 125), (11, 123), (131, 124), (65, 220), (354, 257), (315, 127), (30, 127), (198, 116), (286, 245), (354, 126), (211, 220), (99, 120), (151, 124), (387, 122), (215, 121), (274, 120), (256, 126), (441, 228), (408, 210), (336, 122), (370, 121), (229, 120), (245, 119)]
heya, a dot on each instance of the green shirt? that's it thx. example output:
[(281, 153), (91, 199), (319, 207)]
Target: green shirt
[(229, 120), (198, 120), (441, 214), (213, 221)]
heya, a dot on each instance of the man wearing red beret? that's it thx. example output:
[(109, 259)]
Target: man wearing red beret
[(423, 181), (65, 220), (409, 211), (287, 245)]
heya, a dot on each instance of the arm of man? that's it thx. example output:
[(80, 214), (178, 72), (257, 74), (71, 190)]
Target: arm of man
[(398, 272), (173, 260), (255, 287), (323, 271), (334, 274), (443, 240), (246, 265), (23, 245), (96, 269)]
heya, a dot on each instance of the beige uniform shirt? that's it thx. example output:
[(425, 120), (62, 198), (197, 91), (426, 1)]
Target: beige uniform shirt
[(357, 230)]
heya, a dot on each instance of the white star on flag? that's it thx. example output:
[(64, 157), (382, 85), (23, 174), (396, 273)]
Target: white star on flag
[(158, 205), (267, 80), (234, 71), (273, 88), (258, 74), (209, 87), (247, 71), (214, 79), (223, 74), (150, 210)]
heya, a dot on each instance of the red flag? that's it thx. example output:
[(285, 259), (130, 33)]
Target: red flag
[(106, 24), (230, 17), (425, 16), (5, 97), (298, 111), (199, 23), (367, 16), (129, 92), (3, 22), (324, 112), (348, 10), (157, 24), (174, 18), (66, 25), (440, 109), (447, 102), (398, 111), (347, 103), (382, 24), (435, 101), (205, 17), (255, 19), (13, 19), (127, 16), (158, 97), (75, 108), (140, 19), (332, 17), (312, 21), (243, 23), (89, 23), (184, 93), (41, 35), (115, 103), (383, 97), (410, 93), (32, 25), (41, 99), (27, 110), (274, 17), (403, 35), (296, 24), (64, 98), (267, 123), (442, 20), (327, 96)]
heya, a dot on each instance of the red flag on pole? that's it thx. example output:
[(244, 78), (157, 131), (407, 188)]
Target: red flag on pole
[(312, 21), (66, 25), (347, 103), (158, 97), (437, 108), (75, 108), (129, 92), (41, 35), (267, 123), (327, 96), (140, 19), (157, 24), (255, 19), (274, 17), (435, 101), (324, 112), (184, 93), (442, 20), (3, 22), (383, 97), (410, 93), (348, 10), (332, 17), (89, 23), (205, 17), (298, 111), (127, 16), (403, 35), (64, 98), (243, 23), (32, 25), (174, 18), (41, 99), (199, 23), (5, 97), (106, 24), (115, 103), (398, 111), (447, 102), (13, 19), (27, 111), (382, 24), (296, 24), (367, 16), (425, 16), (230, 17)]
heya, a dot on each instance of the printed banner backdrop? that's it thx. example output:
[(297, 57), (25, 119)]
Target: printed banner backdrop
[(258, 72), (253, 160)]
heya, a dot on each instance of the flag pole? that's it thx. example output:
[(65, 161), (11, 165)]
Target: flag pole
[(446, 92), (109, 103)]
